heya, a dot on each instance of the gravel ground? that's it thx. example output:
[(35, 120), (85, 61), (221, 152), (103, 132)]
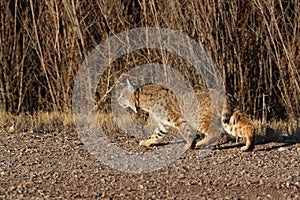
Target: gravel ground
[(58, 166)]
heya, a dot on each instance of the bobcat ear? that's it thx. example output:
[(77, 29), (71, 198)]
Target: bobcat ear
[(128, 83), (130, 86)]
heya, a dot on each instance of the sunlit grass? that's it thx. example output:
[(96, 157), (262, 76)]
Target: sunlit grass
[(49, 122)]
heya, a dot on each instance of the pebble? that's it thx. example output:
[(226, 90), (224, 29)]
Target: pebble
[(141, 186), (282, 149), (266, 171)]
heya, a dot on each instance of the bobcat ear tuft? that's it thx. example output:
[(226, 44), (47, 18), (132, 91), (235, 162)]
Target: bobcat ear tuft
[(128, 83)]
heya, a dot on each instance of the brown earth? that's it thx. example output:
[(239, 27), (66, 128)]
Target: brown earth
[(58, 166)]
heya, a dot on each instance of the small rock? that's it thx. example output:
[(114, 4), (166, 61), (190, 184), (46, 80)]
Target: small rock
[(141, 186), (282, 149), (103, 194), (11, 129)]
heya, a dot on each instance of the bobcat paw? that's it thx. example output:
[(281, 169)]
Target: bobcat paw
[(204, 145), (144, 143), (199, 145), (147, 143), (245, 149)]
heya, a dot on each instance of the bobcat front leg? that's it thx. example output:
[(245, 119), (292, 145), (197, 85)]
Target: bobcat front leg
[(158, 135)]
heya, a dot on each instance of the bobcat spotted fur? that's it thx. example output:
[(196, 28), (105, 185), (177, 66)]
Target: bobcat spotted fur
[(163, 108)]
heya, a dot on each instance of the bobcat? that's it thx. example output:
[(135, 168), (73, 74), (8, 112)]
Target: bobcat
[(163, 108)]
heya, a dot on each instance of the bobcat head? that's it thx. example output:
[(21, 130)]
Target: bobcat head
[(125, 99)]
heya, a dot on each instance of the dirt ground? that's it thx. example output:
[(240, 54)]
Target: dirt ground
[(58, 166)]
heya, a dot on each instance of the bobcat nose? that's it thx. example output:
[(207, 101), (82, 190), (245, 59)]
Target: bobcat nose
[(124, 104), (226, 121)]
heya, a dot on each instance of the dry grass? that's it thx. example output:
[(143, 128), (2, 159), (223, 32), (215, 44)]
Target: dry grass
[(254, 44), (39, 122), (50, 122)]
